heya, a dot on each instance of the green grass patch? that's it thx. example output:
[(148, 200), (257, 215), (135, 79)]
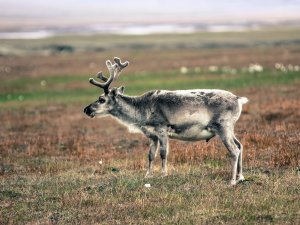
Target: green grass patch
[(70, 89)]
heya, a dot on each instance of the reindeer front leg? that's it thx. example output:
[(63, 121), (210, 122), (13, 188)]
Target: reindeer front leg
[(151, 155), (157, 135), (151, 134), (164, 149)]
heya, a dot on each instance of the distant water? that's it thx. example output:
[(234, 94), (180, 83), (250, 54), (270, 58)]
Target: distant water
[(121, 29), (35, 34)]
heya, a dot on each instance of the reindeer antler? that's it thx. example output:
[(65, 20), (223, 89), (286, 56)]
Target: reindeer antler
[(120, 64), (114, 71)]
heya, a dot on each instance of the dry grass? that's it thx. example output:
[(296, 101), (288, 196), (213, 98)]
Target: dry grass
[(89, 62), (55, 176), (49, 164), (267, 128)]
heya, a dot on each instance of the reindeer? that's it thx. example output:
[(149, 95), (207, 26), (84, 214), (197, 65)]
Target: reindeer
[(188, 115)]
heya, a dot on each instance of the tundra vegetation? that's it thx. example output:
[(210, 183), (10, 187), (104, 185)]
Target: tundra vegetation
[(58, 166)]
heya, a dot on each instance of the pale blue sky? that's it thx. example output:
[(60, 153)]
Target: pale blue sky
[(99, 11)]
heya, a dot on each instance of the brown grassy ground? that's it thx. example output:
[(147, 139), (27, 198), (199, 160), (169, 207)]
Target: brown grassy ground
[(45, 149), (268, 128), (149, 60), (50, 171)]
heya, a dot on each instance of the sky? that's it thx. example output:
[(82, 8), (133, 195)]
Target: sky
[(72, 12)]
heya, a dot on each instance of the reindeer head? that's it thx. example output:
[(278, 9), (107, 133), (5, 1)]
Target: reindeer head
[(106, 101)]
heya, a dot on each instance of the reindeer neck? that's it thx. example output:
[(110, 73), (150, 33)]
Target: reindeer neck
[(128, 109)]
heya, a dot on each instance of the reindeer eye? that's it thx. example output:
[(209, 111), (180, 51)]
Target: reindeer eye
[(101, 100)]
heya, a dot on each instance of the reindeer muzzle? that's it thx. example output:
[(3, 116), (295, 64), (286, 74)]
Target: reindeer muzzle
[(87, 110)]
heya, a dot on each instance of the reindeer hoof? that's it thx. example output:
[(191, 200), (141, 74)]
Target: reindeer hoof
[(240, 178), (232, 182)]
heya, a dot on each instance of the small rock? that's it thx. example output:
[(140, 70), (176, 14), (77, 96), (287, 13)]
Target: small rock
[(147, 185)]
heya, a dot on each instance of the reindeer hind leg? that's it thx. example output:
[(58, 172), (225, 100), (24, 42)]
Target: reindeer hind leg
[(240, 176), (227, 137)]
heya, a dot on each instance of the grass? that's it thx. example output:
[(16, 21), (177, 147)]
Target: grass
[(194, 195), (50, 171), (106, 43), (66, 89), (50, 151)]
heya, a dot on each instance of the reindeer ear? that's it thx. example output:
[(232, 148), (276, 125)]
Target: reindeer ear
[(113, 92), (121, 89)]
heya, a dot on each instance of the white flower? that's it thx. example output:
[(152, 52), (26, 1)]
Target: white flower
[(278, 66), (259, 68), (43, 83), (213, 68), (290, 67), (183, 70), (255, 68), (282, 68), (147, 185), (100, 162), (251, 68), (297, 68)]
